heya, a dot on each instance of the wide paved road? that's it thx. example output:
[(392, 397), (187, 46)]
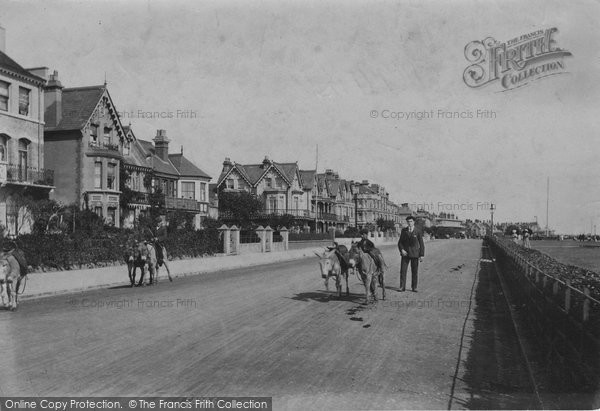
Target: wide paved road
[(274, 331)]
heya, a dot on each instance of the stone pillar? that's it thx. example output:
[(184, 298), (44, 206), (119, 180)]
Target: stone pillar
[(332, 233), (235, 240), (224, 230), (262, 235), (285, 235), (268, 239)]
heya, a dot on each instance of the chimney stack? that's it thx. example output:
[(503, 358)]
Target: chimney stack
[(266, 162), (53, 100), (161, 144), (227, 165), (2, 39)]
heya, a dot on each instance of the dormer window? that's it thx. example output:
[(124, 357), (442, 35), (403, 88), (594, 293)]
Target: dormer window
[(230, 183), (94, 133), (106, 136)]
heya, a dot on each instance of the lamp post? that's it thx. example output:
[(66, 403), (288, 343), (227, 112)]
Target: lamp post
[(492, 208)]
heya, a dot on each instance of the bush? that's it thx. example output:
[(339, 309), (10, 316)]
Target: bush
[(107, 247)]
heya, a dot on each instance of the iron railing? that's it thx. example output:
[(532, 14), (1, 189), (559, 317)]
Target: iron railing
[(103, 146), (562, 293), (29, 175)]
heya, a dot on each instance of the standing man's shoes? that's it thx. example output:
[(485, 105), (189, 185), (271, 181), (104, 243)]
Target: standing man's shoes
[(401, 289), (414, 290)]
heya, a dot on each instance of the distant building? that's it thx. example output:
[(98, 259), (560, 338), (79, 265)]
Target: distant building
[(318, 201), (335, 203), (280, 186), (373, 203)]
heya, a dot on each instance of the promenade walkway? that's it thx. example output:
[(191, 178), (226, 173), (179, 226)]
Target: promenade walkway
[(272, 330)]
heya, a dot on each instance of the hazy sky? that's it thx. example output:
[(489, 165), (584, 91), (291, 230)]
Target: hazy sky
[(277, 78)]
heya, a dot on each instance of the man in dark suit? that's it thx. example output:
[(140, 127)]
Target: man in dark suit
[(412, 250)]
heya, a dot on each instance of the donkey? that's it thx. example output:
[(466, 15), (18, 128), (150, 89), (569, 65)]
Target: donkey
[(11, 276), (331, 266), (135, 257), (368, 271)]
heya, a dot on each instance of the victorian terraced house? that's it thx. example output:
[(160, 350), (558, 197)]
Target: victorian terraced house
[(280, 186), (150, 168), (22, 169), (316, 200), (84, 141)]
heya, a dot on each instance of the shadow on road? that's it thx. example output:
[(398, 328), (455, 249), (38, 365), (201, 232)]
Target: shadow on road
[(327, 296), (493, 373), (117, 287)]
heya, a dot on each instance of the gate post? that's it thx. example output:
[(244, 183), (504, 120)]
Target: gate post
[(285, 237), (224, 230), (260, 231), (268, 239), (235, 240)]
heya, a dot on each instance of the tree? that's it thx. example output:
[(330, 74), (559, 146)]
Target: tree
[(34, 213), (385, 225), (210, 222), (352, 232), (241, 207), (180, 220), (127, 194)]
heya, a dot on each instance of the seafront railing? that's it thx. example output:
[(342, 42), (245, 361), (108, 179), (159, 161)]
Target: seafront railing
[(573, 301), (560, 308)]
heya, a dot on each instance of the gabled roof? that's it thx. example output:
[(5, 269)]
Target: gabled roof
[(288, 170), (78, 105), (155, 162), (161, 166), (11, 67), (308, 179), (186, 167), (363, 189), (253, 173), (147, 146), (138, 155)]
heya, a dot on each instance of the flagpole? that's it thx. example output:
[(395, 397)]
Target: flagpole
[(547, 206), (316, 186)]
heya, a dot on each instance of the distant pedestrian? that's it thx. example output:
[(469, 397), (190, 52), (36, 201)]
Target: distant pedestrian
[(412, 251), (515, 236), (526, 235)]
